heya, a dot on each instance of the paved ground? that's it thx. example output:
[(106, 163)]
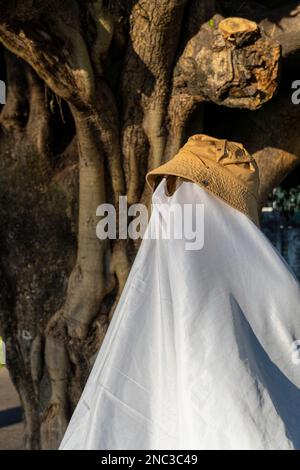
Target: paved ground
[(11, 435)]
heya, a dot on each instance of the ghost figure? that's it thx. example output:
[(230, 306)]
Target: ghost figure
[(201, 352)]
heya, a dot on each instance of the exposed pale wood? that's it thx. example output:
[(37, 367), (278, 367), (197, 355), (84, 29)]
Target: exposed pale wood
[(238, 30)]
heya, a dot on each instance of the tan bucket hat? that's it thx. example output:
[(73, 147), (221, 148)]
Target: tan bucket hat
[(222, 167)]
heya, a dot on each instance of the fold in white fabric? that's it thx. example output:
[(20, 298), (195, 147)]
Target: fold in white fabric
[(201, 351)]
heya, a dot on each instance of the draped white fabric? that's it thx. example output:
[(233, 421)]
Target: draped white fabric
[(200, 353)]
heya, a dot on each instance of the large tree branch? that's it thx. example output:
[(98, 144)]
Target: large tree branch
[(281, 23), (68, 73), (154, 34), (229, 62), (274, 166)]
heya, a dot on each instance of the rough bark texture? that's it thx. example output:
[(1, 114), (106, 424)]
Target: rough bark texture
[(98, 93)]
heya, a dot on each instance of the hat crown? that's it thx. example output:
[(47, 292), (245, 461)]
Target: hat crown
[(230, 154), (223, 167)]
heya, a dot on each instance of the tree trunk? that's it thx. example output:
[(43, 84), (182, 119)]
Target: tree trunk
[(98, 93)]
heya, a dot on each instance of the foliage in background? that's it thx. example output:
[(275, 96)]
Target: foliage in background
[(286, 197)]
